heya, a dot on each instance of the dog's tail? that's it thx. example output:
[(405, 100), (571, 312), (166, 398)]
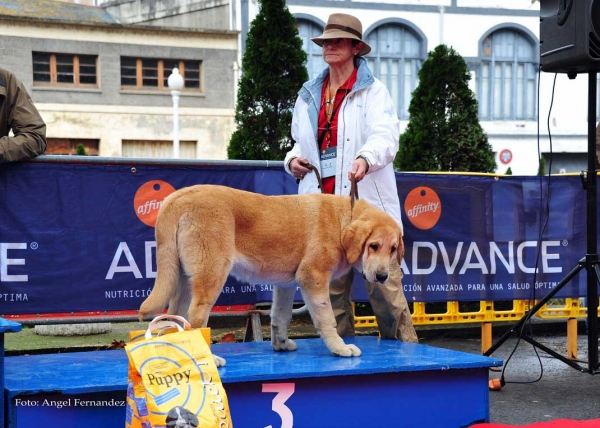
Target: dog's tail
[(167, 261)]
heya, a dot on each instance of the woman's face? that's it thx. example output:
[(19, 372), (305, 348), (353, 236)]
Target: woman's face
[(337, 52)]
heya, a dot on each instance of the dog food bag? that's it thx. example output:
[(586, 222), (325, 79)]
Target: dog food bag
[(136, 411), (177, 381), (136, 415)]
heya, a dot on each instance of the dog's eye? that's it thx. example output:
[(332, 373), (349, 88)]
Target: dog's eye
[(393, 250), (374, 247)]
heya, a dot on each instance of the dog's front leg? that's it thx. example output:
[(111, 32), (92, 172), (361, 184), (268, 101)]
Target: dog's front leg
[(319, 304), (281, 315)]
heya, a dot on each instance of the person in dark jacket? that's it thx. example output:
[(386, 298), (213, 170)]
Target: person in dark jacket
[(19, 115)]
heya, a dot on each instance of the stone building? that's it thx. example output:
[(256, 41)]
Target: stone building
[(100, 79)]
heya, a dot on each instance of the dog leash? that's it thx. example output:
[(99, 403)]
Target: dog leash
[(353, 190), (313, 169), (353, 184)]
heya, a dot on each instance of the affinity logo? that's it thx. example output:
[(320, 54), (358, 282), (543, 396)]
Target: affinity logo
[(149, 198), (423, 207)]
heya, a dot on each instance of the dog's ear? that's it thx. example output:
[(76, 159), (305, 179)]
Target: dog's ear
[(353, 239), (400, 250)]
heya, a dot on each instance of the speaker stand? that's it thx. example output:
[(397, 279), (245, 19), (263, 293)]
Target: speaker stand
[(590, 262)]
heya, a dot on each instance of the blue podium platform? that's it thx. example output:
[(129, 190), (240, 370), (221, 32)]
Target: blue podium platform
[(6, 326), (391, 384)]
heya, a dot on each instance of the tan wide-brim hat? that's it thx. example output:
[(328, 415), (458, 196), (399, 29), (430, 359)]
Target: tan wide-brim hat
[(343, 26)]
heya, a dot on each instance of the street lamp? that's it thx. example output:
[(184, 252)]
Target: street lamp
[(175, 83)]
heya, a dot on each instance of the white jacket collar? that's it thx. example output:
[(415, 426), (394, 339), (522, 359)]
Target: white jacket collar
[(311, 90)]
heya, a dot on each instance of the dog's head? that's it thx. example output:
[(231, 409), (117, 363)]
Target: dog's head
[(371, 241)]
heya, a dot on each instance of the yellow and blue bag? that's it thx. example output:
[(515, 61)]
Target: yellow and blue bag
[(173, 378)]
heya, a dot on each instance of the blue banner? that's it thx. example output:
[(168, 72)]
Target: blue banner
[(79, 236)]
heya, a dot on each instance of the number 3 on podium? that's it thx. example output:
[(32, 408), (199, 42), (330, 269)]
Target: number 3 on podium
[(284, 391)]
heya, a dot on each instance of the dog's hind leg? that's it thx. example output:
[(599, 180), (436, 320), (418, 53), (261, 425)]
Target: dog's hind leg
[(206, 269), (281, 316), (315, 290), (180, 302), (206, 286)]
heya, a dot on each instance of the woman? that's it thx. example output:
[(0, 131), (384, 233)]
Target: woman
[(344, 122)]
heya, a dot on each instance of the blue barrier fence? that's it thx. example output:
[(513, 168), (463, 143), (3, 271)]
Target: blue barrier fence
[(76, 233)]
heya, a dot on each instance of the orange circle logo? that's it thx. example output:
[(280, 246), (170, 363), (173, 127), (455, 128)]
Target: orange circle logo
[(149, 198), (423, 207)]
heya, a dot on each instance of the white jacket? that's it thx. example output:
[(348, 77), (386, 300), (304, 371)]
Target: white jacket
[(368, 126)]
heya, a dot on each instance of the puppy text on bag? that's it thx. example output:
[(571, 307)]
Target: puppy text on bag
[(168, 380)]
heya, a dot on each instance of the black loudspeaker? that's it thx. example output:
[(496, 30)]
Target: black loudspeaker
[(570, 36)]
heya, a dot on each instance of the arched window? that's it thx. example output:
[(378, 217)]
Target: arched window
[(507, 77), (395, 59), (315, 63)]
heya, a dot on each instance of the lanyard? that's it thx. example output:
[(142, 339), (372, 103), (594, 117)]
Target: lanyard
[(330, 112), (329, 101)]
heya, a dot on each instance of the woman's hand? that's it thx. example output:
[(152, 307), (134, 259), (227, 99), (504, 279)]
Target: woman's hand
[(359, 168), (298, 168)]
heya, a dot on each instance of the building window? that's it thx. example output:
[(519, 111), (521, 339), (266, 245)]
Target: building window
[(396, 59), (149, 73), (68, 146), (314, 63), (51, 69), (507, 77)]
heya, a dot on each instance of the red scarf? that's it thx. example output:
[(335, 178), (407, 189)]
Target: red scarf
[(329, 138)]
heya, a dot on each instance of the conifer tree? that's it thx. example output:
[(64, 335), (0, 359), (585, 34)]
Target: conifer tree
[(274, 69), (80, 150), (542, 166), (443, 133)]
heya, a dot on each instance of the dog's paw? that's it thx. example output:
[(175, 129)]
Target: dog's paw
[(219, 361), (284, 346), (347, 351)]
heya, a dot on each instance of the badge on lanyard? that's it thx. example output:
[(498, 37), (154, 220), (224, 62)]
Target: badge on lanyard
[(328, 161)]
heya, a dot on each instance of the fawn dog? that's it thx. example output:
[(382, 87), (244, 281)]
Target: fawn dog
[(205, 233)]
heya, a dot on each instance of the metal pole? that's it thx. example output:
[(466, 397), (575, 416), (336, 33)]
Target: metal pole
[(592, 230), (176, 83), (175, 95)]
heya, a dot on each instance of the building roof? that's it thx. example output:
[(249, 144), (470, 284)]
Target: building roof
[(55, 11)]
